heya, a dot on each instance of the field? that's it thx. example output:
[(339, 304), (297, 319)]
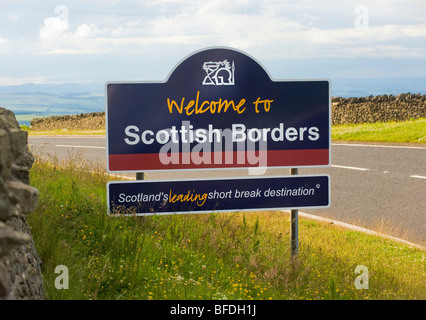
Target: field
[(413, 131), (204, 256)]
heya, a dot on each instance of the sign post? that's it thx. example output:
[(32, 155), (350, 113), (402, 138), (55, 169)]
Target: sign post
[(140, 176), (294, 224), (218, 109)]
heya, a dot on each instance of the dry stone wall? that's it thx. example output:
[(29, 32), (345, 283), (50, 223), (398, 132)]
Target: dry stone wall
[(83, 121), (370, 109), (20, 275), (404, 106)]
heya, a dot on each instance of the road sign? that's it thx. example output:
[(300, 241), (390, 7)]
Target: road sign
[(217, 195), (218, 108)]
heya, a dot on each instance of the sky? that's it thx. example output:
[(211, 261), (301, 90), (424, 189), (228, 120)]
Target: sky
[(358, 45)]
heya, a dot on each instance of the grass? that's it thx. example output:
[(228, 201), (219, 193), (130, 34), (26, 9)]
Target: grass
[(203, 256), (413, 131), (62, 132)]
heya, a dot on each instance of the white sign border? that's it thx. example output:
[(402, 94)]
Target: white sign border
[(216, 179)]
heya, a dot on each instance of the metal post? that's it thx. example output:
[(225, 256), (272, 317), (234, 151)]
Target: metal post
[(140, 176), (294, 225)]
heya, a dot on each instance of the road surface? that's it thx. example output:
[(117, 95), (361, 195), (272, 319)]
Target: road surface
[(379, 187)]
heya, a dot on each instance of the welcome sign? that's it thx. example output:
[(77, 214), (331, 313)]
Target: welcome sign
[(218, 109), (217, 195)]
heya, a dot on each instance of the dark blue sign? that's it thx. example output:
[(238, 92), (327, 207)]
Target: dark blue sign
[(217, 195), (218, 108)]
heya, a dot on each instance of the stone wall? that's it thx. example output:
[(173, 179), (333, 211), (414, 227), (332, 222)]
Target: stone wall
[(20, 276), (83, 121), (382, 108), (370, 109)]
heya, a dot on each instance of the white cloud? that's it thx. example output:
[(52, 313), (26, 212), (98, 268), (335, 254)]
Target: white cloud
[(14, 18), (281, 28), (127, 29), (146, 38), (57, 38), (85, 31), (377, 34), (378, 41), (53, 29)]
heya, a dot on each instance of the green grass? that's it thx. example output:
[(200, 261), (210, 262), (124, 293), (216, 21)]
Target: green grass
[(203, 256), (61, 132), (413, 131)]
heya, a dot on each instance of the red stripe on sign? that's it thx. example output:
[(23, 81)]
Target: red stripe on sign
[(216, 160)]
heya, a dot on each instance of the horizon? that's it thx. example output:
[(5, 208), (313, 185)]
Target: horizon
[(365, 87)]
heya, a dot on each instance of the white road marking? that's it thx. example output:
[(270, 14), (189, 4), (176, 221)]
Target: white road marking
[(351, 168), (376, 146), (356, 228), (335, 144), (418, 177), (74, 146)]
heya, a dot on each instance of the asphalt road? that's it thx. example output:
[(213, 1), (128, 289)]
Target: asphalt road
[(380, 187)]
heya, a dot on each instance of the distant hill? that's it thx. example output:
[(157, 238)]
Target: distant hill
[(364, 87), (29, 101), (52, 88)]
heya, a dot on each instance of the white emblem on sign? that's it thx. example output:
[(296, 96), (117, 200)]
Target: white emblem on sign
[(219, 73)]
